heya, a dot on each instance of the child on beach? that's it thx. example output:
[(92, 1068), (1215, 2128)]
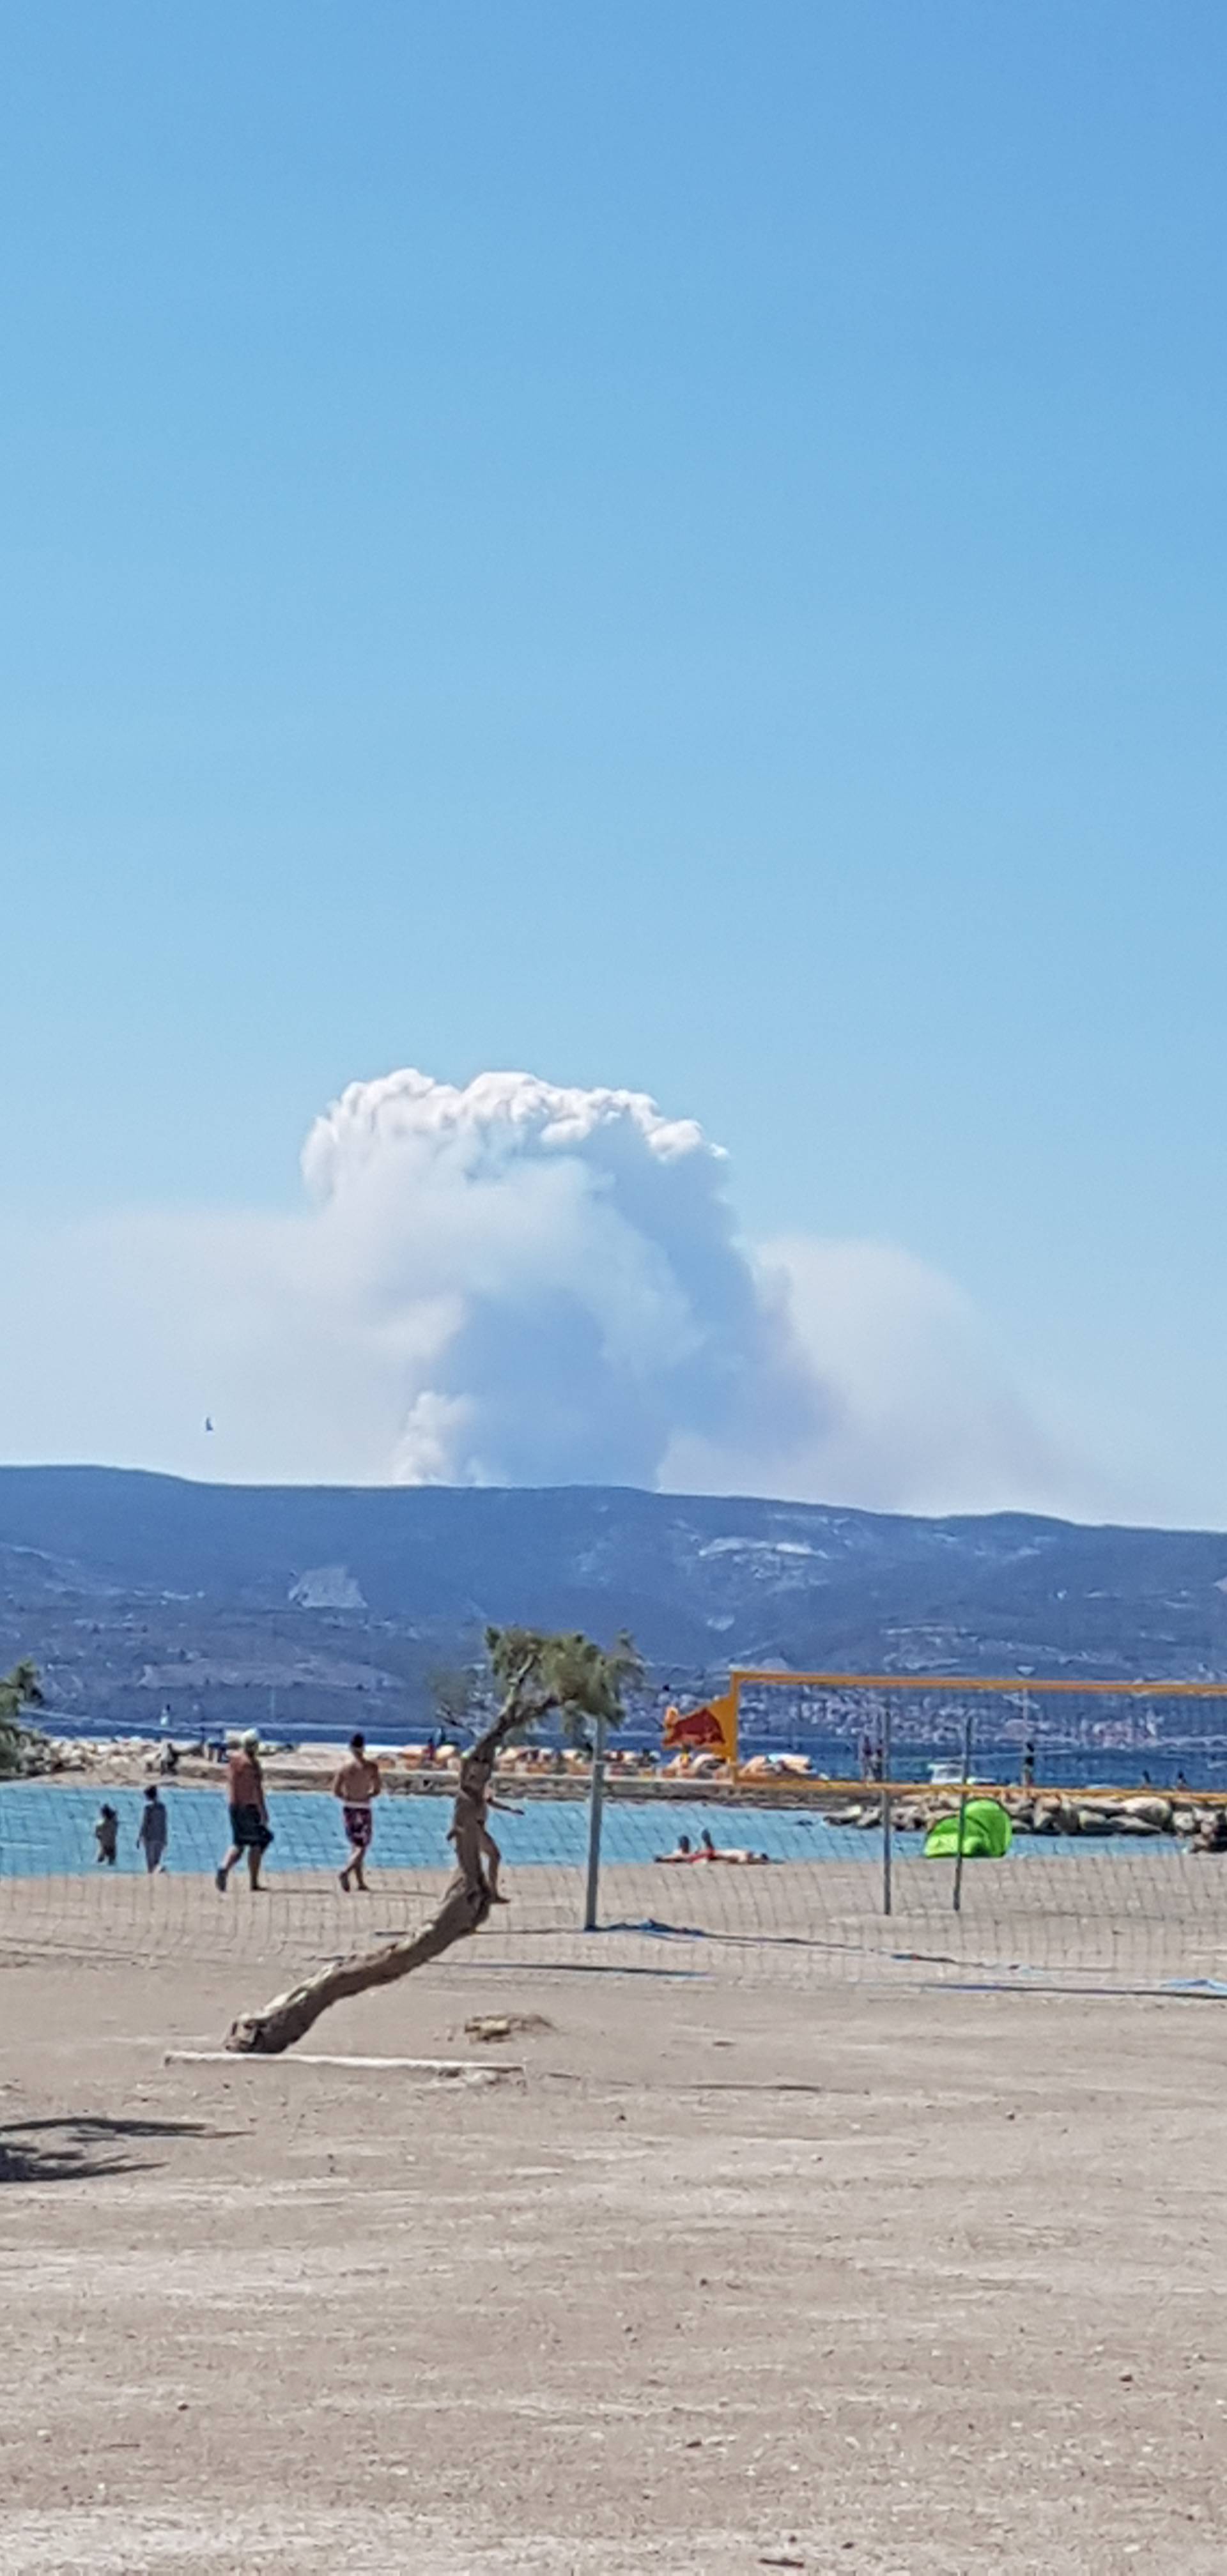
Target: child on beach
[(152, 1831), (106, 1835)]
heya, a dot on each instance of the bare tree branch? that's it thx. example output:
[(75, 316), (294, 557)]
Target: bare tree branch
[(289, 2016), (567, 1673)]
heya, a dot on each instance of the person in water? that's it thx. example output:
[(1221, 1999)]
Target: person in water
[(153, 1831), (106, 1835), (357, 1784)]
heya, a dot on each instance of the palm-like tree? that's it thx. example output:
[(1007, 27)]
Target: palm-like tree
[(20, 1689), (536, 1676)]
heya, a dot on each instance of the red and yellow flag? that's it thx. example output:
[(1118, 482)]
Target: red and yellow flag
[(710, 1729)]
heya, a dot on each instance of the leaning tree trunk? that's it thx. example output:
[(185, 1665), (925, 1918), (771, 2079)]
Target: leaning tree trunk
[(466, 1903), (265, 2034)]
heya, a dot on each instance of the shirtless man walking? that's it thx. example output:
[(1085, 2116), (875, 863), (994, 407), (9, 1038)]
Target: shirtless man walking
[(250, 1830), (357, 1783)]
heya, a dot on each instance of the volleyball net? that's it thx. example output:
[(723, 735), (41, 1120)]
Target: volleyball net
[(809, 1859)]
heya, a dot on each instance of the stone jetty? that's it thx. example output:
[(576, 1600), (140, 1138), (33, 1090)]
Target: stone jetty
[(1144, 1815)]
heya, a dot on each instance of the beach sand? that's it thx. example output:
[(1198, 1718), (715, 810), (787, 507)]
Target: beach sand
[(746, 2269), (1106, 1913)]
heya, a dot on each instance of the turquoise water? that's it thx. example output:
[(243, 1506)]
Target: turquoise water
[(48, 1832)]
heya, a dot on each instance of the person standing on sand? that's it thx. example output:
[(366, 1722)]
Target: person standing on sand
[(250, 1830), (357, 1783), (469, 1830), (153, 1831)]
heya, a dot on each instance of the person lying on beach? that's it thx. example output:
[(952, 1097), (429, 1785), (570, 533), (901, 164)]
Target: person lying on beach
[(707, 1851), (736, 1859)]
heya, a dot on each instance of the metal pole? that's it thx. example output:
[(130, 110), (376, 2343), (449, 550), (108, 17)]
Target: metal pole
[(887, 1837), (958, 1857), (596, 1802)]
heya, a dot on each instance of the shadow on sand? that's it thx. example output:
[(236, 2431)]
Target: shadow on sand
[(78, 2149)]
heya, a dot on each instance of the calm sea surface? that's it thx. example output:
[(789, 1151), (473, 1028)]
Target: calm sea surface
[(46, 1830)]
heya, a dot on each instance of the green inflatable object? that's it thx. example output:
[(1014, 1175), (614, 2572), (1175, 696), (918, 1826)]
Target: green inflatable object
[(987, 1833)]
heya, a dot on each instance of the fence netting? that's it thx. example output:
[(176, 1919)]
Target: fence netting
[(777, 1877)]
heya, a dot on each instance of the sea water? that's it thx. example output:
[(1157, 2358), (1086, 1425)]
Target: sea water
[(47, 1830)]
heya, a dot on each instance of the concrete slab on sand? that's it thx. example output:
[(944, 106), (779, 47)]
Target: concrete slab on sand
[(912, 2283)]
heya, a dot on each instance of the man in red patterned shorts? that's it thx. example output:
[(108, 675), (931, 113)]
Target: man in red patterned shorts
[(357, 1783)]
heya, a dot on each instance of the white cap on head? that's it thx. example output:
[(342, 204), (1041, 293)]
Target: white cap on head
[(251, 1740)]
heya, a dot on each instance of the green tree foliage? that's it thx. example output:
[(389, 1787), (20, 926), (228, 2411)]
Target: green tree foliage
[(535, 1675), (19, 1690), (455, 1692), (538, 1675)]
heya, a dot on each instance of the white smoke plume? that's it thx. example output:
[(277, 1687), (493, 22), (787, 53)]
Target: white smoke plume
[(513, 1283), (566, 1268)]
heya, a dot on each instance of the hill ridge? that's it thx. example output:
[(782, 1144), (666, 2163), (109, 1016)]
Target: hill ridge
[(135, 1589)]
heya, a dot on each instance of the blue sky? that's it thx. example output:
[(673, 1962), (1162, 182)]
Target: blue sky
[(679, 548)]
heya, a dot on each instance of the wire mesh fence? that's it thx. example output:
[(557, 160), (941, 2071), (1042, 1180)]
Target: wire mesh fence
[(1074, 1730), (769, 1877)]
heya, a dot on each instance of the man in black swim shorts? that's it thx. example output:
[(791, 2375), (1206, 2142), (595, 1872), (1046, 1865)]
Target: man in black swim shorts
[(250, 1831)]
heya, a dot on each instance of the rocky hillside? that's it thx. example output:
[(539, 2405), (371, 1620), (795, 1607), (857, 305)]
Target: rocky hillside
[(135, 1590)]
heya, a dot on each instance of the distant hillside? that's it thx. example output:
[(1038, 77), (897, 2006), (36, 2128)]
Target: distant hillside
[(133, 1590)]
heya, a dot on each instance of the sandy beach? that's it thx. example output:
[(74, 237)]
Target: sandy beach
[(732, 2275), (1115, 1915)]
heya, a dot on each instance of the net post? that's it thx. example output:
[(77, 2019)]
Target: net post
[(596, 1808), (887, 1833), (958, 1857)]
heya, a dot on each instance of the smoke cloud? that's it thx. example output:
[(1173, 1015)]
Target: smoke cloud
[(513, 1283), (565, 1267)]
